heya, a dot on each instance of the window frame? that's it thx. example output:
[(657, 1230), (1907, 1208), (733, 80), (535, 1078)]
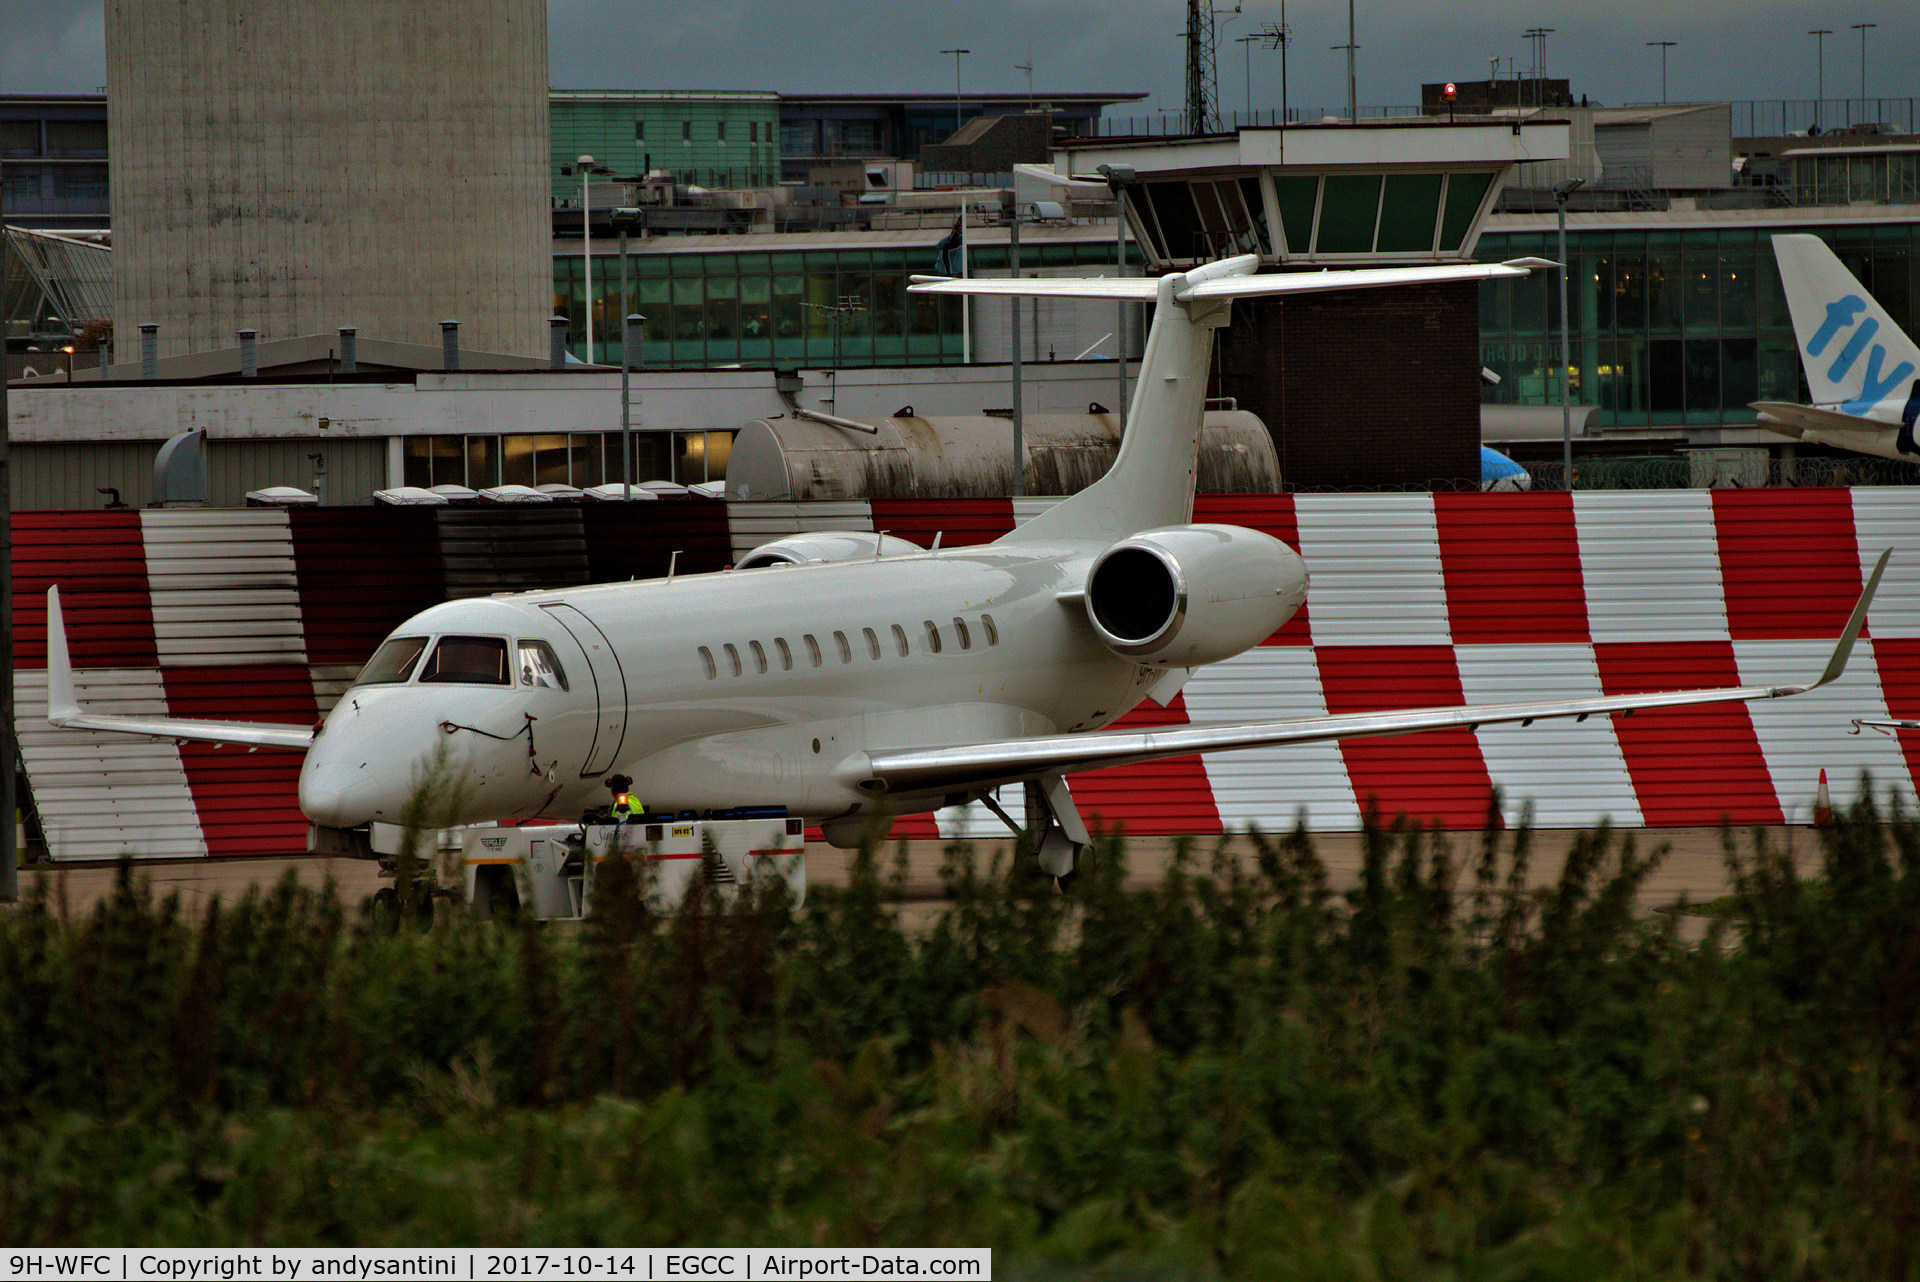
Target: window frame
[(406, 672), (528, 680), (505, 678)]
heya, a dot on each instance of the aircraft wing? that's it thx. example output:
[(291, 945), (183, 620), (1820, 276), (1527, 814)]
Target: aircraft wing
[(1226, 284), (64, 710), (972, 766)]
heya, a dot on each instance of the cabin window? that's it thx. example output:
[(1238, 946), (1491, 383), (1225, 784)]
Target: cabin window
[(706, 657), (786, 654), (933, 635), (813, 649), (392, 662), (960, 630), (993, 633), (539, 667), (873, 644), (846, 651), (733, 657), (469, 661), (900, 639), (759, 656)]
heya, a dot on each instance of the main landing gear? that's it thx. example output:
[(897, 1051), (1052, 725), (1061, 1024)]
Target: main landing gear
[(1059, 834)]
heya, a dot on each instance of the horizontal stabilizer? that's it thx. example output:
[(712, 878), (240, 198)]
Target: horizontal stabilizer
[(64, 710), (1144, 288), (1793, 419)]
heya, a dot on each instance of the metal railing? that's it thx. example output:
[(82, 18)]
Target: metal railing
[(1752, 118)]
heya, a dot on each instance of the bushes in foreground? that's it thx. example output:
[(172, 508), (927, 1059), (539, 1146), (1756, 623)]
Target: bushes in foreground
[(1236, 1072)]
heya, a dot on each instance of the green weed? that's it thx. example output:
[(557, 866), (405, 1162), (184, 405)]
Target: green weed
[(1234, 1073)]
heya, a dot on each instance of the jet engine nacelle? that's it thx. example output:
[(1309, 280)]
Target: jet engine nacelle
[(826, 545), (1193, 594)]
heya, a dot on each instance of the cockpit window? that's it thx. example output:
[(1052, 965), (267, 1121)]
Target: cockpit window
[(538, 667), (470, 660), (392, 662)]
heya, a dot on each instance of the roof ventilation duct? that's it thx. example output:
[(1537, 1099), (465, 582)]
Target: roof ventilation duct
[(180, 471)]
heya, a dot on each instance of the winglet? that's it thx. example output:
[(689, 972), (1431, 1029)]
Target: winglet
[(1844, 647), (63, 705)]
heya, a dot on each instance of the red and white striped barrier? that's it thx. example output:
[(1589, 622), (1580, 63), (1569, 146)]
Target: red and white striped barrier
[(1416, 599)]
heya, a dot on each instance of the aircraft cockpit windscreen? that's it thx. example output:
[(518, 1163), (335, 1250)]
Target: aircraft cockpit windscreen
[(539, 667), (392, 662), (469, 661)]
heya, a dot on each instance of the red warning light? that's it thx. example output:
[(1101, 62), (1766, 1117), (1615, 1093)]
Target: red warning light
[(1450, 91)]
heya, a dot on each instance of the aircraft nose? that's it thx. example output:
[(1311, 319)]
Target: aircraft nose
[(341, 794), (362, 765)]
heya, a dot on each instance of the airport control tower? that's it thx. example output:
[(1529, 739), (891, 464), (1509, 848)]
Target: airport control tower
[(293, 168)]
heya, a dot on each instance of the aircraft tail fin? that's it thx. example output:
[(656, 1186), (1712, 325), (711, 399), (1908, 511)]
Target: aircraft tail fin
[(1151, 481), (1856, 358)]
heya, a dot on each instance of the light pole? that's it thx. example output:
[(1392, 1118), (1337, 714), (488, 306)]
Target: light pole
[(1561, 190), (1353, 88), (585, 166), (1019, 419), (956, 84), (1863, 28), (629, 342), (1819, 35), (1353, 93), (1118, 177), (626, 220), (1662, 46)]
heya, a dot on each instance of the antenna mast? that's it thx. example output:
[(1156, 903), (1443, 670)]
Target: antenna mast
[(1203, 77)]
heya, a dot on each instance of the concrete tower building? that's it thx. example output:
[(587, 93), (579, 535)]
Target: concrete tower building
[(295, 167)]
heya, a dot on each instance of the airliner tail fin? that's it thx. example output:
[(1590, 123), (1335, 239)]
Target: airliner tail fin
[(1856, 358)]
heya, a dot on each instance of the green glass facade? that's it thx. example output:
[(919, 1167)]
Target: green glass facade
[(709, 140), (812, 307), (1670, 326)]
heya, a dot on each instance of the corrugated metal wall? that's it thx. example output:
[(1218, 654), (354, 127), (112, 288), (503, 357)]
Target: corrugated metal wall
[(1416, 599), (67, 478), (355, 466)]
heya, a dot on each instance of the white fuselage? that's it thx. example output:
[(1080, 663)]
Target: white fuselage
[(762, 687)]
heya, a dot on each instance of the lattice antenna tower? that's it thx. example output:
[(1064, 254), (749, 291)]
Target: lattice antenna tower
[(1203, 75)]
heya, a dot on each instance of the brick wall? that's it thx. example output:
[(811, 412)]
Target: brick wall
[(1363, 388)]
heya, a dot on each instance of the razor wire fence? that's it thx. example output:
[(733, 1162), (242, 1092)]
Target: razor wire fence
[(1680, 472)]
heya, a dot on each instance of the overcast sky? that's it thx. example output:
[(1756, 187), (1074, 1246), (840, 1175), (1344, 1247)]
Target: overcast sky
[(1726, 49)]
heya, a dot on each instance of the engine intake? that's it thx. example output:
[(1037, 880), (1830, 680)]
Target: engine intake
[(1193, 594)]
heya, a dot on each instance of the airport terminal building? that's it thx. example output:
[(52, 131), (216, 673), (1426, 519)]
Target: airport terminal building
[(770, 306)]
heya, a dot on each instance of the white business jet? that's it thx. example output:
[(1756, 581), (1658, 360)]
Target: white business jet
[(1862, 369), (859, 681)]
